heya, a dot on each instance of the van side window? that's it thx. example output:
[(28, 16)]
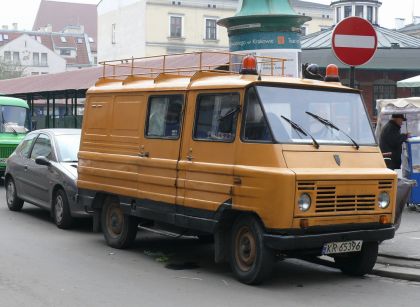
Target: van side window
[(165, 114), (255, 127), (216, 117)]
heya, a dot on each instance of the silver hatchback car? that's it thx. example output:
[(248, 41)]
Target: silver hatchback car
[(43, 171)]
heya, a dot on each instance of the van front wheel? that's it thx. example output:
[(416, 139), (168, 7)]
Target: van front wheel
[(360, 263), (251, 261), (119, 229)]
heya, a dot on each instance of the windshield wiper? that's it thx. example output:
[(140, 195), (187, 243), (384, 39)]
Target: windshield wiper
[(327, 123), (301, 130)]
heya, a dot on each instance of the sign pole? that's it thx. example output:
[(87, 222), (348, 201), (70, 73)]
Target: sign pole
[(352, 76)]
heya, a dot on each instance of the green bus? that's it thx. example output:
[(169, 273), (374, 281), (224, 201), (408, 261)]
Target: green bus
[(15, 123)]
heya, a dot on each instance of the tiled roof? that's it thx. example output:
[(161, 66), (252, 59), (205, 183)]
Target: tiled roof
[(62, 14), (82, 79), (53, 41)]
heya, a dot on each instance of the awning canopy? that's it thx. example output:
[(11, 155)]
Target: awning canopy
[(410, 82)]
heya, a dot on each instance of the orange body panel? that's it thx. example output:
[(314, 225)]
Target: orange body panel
[(116, 157)]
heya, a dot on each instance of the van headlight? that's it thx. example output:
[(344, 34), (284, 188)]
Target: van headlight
[(304, 202), (383, 200)]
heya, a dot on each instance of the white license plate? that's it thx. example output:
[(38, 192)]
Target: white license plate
[(342, 247)]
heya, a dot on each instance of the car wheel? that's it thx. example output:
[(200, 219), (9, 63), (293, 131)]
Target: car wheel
[(119, 230), (13, 202), (251, 261), (360, 263), (61, 210)]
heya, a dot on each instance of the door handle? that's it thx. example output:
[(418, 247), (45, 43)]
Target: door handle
[(145, 154), (237, 180), (25, 167), (190, 157)]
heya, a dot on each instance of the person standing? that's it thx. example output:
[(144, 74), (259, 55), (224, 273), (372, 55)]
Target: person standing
[(391, 140)]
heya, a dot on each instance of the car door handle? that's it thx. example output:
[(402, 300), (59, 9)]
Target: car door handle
[(145, 154), (25, 167)]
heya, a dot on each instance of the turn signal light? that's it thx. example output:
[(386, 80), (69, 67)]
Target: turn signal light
[(332, 73), (383, 219), (249, 65)]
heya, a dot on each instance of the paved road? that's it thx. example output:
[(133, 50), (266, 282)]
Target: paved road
[(41, 265)]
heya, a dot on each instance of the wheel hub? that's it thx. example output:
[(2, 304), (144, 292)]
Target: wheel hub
[(115, 220), (245, 249)]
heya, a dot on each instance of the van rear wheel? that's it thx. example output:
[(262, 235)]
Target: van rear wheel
[(251, 261), (360, 263), (119, 229)]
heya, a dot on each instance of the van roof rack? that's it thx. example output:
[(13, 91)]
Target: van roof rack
[(187, 64)]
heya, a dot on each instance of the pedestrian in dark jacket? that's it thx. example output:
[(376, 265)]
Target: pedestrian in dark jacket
[(391, 140)]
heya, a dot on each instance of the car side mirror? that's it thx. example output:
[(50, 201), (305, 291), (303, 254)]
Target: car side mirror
[(41, 160)]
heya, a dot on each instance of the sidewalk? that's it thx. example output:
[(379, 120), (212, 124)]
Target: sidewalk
[(400, 257)]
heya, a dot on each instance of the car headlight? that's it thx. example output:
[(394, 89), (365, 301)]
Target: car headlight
[(383, 200), (304, 202)]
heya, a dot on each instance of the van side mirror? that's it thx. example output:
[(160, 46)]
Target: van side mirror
[(41, 160)]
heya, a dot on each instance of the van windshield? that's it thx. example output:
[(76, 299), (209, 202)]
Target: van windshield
[(345, 111), (14, 119)]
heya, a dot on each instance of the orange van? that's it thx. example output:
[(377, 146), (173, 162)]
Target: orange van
[(269, 167)]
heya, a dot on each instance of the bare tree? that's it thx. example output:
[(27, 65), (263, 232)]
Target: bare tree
[(10, 70)]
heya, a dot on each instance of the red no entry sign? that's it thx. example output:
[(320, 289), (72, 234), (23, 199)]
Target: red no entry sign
[(354, 41)]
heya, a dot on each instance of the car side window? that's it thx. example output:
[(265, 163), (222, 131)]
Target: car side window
[(216, 117), (42, 147), (255, 127), (25, 146), (164, 116)]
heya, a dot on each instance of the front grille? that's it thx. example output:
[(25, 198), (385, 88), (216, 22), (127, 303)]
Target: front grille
[(5, 152), (336, 197), (327, 200)]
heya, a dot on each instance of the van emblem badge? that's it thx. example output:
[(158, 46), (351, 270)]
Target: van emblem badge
[(337, 160)]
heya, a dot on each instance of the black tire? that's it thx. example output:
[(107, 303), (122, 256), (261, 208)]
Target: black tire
[(250, 260), (119, 230), (361, 263), (13, 202), (61, 210)]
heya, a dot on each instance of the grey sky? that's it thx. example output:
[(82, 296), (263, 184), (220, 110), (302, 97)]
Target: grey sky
[(24, 11)]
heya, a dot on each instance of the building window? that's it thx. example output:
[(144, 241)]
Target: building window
[(63, 39), (347, 11), (44, 59), (211, 32), (35, 59), (5, 37), (65, 51), (7, 56), (359, 11), (80, 40), (176, 26), (383, 91), (16, 58), (34, 73), (370, 13), (113, 27), (303, 31), (91, 40), (338, 9)]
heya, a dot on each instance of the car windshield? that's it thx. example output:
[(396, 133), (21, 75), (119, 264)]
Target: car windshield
[(14, 119), (68, 147), (317, 112)]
